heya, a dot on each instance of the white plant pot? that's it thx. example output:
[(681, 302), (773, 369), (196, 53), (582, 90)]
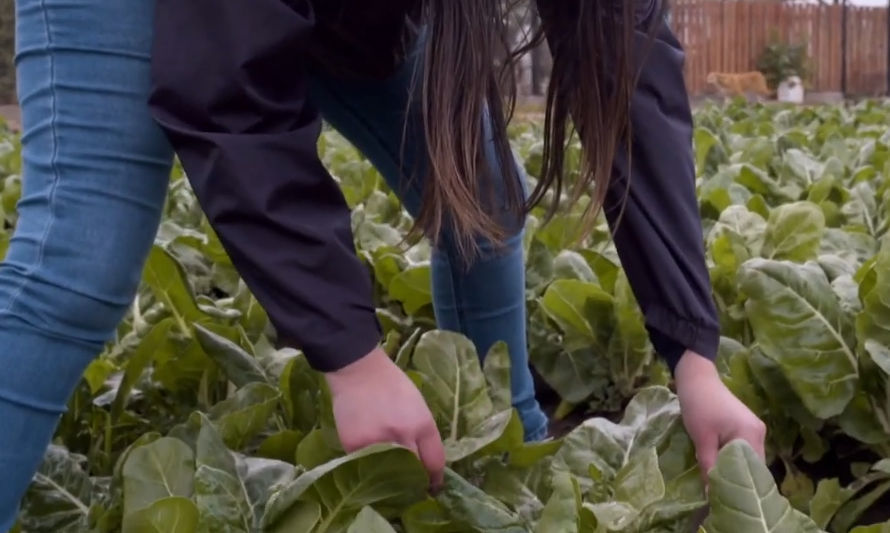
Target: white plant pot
[(791, 90)]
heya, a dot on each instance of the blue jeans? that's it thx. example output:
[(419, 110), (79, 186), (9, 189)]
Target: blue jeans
[(96, 170)]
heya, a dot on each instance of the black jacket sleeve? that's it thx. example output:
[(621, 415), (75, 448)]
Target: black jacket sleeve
[(659, 235), (230, 90)]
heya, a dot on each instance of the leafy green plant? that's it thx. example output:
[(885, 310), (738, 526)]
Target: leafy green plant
[(779, 60), (191, 421)]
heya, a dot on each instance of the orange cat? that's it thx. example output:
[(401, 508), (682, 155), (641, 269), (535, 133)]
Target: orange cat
[(739, 84)]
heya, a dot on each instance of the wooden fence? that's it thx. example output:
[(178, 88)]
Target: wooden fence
[(729, 36)]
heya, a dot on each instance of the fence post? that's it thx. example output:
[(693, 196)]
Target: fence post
[(844, 48)]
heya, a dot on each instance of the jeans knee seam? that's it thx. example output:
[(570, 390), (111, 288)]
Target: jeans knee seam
[(54, 165)]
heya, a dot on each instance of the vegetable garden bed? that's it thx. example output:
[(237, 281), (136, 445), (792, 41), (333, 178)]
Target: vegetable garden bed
[(191, 421)]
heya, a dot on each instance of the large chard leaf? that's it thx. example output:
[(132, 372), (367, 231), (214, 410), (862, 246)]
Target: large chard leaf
[(164, 468), (608, 446), (496, 369), (386, 477), (167, 280), (506, 484), (241, 417), (241, 367), (799, 323), (412, 288), (167, 515), (794, 232), (476, 510), (873, 324), (581, 309), (744, 497), (230, 493), (629, 347), (572, 361), (60, 495), (456, 389)]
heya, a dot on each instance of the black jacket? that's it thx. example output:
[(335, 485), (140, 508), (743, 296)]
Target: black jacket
[(230, 91)]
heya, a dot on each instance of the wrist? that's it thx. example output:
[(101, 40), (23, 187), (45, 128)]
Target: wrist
[(694, 367), (360, 368)]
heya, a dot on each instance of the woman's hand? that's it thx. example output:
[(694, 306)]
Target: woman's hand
[(713, 416), (374, 402)]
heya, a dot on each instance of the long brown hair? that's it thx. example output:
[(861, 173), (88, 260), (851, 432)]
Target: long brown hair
[(468, 70)]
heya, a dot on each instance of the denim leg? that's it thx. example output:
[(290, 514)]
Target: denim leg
[(95, 174), (485, 302)]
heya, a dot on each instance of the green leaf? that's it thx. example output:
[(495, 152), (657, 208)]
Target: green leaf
[(403, 357), (475, 509), (313, 450), (301, 516), (479, 437), (798, 323), (863, 421), (758, 205), (847, 516), (155, 342), (578, 308), (221, 494), (606, 269), (428, 516), (829, 497), (243, 416), (369, 521), (168, 515), (613, 516), (705, 142), (647, 422), (874, 528), (532, 453), (562, 512), (862, 208), (454, 384), (97, 374), (506, 485), (744, 497), (629, 348), (300, 392), (574, 373), (744, 231), (569, 264), (158, 470), (798, 488), (281, 446), (794, 231), (639, 482), (60, 495), (412, 287), (253, 317), (182, 368), (873, 323), (240, 367), (496, 369), (166, 278), (388, 477)]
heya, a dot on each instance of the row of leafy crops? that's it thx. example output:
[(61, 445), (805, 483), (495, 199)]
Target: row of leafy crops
[(190, 420)]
